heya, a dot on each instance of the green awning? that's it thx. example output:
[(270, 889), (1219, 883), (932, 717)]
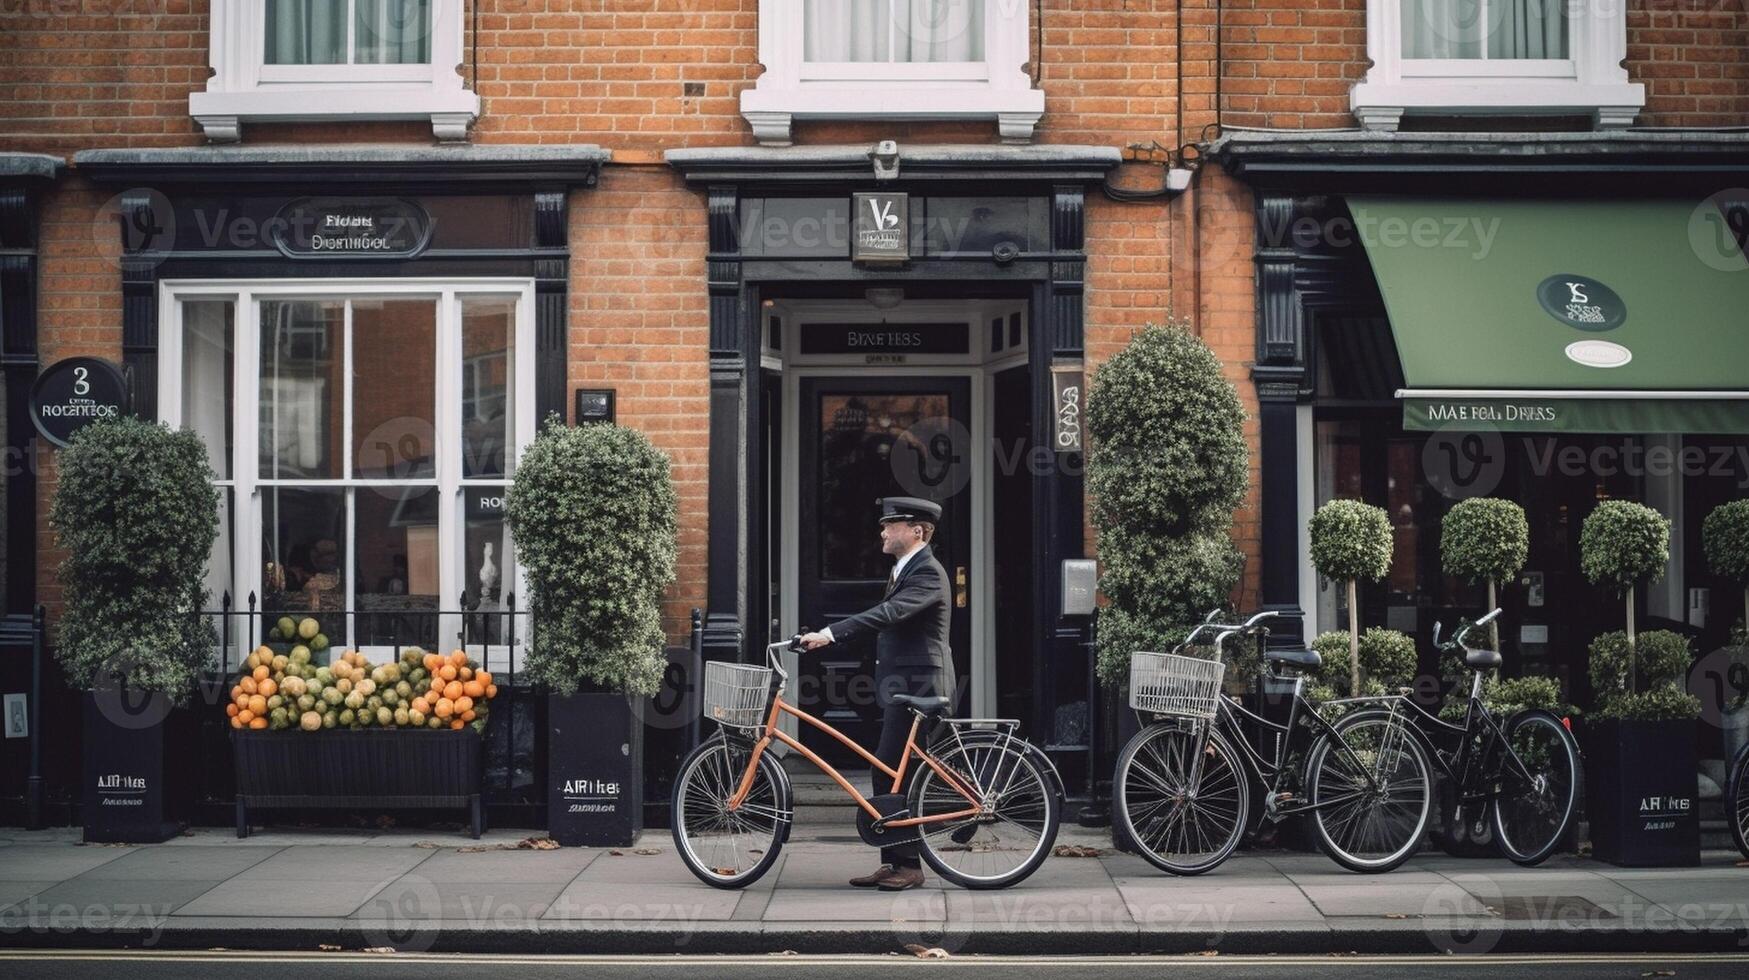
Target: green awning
[(1564, 316)]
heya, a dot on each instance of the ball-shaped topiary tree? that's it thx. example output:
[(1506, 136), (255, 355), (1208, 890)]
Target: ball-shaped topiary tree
[(1167, 466), (1485, 539), (136, 513), (592, 510), (1725, 537), (1622, 544), (1351, 541)]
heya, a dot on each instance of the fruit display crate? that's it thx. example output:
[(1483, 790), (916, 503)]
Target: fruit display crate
[(381, 768)]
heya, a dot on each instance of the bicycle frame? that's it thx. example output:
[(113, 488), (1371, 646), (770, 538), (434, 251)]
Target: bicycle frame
[(780, 707), (1456, 765)]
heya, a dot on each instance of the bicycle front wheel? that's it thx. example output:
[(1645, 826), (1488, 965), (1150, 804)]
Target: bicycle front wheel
[(1019, 812), (1737, 801), (728, 848), (1182, 824), (1370, 792), (1536, 804)]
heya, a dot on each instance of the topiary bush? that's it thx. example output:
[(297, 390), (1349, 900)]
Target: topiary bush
[(1642, 680), (1724, 535), (136, 513), (1351, 541), (1508, 696), (1387, 660), (1485, 539), (1622, 544), (592, 510), (1166, 467)]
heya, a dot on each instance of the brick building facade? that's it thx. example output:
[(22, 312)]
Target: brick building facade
[(622, 138)]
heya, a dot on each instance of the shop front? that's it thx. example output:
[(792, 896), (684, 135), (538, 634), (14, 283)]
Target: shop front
[(364, 338), (904, 322), (1440, 322)]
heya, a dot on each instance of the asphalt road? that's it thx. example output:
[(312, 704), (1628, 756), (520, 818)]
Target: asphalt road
[(225, 966)]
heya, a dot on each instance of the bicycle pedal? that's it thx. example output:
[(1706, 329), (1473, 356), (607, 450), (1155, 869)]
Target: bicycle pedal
[(1272, 803)]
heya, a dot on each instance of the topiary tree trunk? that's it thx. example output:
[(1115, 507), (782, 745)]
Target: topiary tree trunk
[(1351, 541)]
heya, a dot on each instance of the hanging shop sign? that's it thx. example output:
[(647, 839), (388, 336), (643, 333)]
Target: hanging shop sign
[(882, 338), (1067, 404), (71, 394), (882, 228), (352, 227)]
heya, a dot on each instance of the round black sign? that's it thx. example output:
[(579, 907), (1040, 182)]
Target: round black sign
[(71, 394), (1582, 302)]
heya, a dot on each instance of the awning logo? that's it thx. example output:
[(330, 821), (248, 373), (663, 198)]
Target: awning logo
[(1581, 302)]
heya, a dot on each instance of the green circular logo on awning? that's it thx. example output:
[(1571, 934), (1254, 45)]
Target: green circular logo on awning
[(1582, 302)]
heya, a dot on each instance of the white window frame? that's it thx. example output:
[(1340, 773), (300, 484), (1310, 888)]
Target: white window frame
[(790, 89), (1590, 82), (245, 483), (246, 89)]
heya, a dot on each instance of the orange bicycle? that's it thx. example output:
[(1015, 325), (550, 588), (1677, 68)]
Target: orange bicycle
[(983, 805)]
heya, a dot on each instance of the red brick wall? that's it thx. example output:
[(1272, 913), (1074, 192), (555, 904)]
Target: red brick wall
[(1693, 56)]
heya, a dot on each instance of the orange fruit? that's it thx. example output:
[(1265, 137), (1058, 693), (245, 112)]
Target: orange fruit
[(258, 723), (236, 723), (473, 689), (245, 716), (247, 685), (456, 725), (236, 689), (422, 706), (262, 672), (491, 691), (232, 709), (257, 704), (267, 687), (484, 678), (447, 672), (465, 673), (459, 659), (452, 690), (444, 708), (463, 705), (468, 715), (430, 661)]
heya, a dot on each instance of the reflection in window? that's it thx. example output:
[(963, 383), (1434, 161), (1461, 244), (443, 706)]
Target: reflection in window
[(394, 385), (488, 384), (395, 564), (858, 435), (316, 32), (301, 350), (207, 350), (1494, 29), (893, 30), (303, 534)]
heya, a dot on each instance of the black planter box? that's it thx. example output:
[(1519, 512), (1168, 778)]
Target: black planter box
[(595, 778), (1643, 806), (385, 767), (130, 794)]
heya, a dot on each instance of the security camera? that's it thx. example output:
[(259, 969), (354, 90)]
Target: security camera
[(886, 159), (1005, 252)]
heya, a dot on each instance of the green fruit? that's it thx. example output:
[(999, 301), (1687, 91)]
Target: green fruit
[(287, 628), (324, 676), (273, 634), (404, 689), (363, 717), (385, 716), (419, 676), (344, 685), (330, 720), (355, 700), (347, 717), (389, 697), (403, 716), (415, 717), (368, 686), (332, 695), (319, 642), (275, 701), (308, 629), (391, 673), (302, 652)]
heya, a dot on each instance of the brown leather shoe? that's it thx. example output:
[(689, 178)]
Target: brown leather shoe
[(901, 879), (871, 880)]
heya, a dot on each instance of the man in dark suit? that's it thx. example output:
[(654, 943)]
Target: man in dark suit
[(911, 653)]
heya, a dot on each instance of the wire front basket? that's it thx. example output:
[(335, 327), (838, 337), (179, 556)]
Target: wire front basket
[(736, 695), (1168, 684)]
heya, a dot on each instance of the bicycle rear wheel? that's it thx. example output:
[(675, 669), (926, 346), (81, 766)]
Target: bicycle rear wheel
[(728, 848), (1180, 828), (1013, 833), (1370, 791), (1536, 806)]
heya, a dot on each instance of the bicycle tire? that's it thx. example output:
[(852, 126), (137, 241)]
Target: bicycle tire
[(1737, 799), (1536, 852), (1012, 759), (1128, 786), (701, 780), (1412, 750)]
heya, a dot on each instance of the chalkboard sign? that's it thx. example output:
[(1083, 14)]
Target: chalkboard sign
[(71, 394)]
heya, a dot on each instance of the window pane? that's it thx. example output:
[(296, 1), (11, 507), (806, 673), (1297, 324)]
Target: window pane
[(1527, 29), (395, 565), (306, 32), (893, 30), (219, 571), (207, 330), (858, 435), (488, 385), (392, 32), (487, 560), (301, 405), (303, 544), (394, 388), (1442, 28)]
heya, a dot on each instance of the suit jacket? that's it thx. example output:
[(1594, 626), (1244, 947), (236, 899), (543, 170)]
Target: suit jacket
[(910, 625)]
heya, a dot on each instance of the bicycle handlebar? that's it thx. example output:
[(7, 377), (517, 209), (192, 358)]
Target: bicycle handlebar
[(1463, 630)]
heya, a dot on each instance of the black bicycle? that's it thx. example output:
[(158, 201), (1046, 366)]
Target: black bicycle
[(1737, 798), (1522, 775), (1183, 785)]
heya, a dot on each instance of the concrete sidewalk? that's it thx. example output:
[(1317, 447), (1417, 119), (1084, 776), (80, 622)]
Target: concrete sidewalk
[(418, 891)]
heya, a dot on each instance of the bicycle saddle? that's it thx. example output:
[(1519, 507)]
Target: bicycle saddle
[(1482, 659), (1301, 659), (927, 707)]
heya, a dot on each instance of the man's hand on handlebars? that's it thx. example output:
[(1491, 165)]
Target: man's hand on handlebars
[(813, 641)]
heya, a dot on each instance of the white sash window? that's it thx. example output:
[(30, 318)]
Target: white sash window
[(313, 60)]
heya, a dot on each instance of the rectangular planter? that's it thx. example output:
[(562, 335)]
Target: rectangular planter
[(130, 794), (387, 767), (595, 782), (1643, 806)]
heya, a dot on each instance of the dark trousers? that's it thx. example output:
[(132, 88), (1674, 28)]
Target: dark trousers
[(896, 720)]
